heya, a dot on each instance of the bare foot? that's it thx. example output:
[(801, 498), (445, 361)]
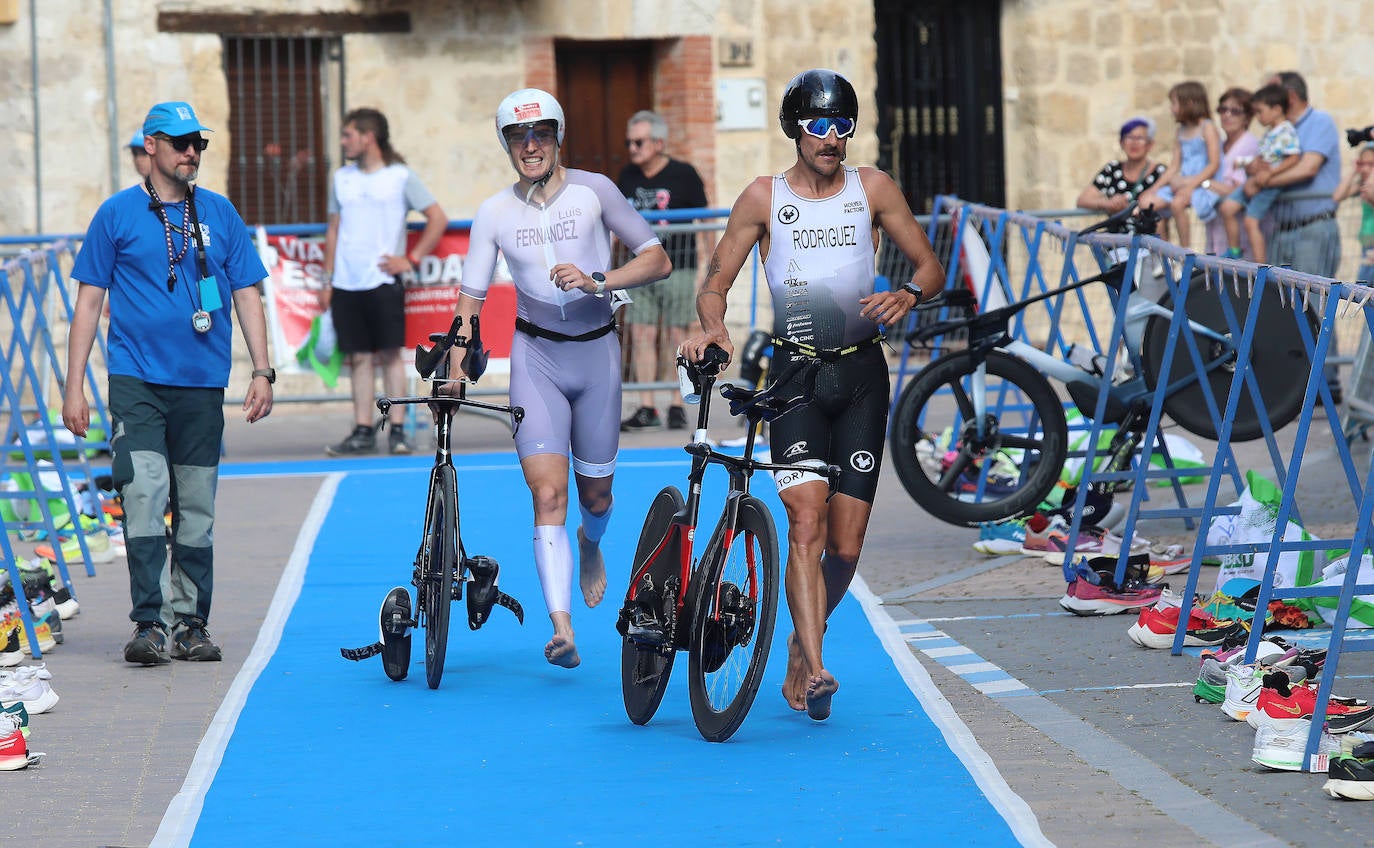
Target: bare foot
[(794, 684), (593, 570), (820, 688), (562, 652)]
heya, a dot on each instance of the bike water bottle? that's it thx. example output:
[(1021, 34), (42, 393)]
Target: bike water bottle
[(691, 392)]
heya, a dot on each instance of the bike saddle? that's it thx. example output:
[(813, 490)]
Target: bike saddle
[(483, 594)]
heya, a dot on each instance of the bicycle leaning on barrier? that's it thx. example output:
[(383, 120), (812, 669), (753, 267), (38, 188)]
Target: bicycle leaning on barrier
[(722, 607), (443, 572), (980, 434)]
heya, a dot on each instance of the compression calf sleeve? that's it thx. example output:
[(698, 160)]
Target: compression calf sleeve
[(554, 562), (593, 525)]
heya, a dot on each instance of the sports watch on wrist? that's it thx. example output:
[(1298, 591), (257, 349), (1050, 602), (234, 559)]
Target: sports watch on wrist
[(914, 290), (600, 280), (1205, 184), (269, 373)]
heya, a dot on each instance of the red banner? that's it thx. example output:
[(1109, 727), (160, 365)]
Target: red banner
[(296, 267)]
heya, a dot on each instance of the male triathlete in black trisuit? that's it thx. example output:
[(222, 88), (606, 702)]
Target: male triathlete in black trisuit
[(816, 226)]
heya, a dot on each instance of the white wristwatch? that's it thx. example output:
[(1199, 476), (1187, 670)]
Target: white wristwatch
[(1207, 184), (600, 280)]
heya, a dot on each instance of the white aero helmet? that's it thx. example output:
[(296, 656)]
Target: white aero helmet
[(528, 106)]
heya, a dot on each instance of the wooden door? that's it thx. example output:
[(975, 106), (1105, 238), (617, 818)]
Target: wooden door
[(600, 85)]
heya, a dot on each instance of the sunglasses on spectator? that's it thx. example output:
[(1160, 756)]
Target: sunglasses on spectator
[(821, 127), (518, 136), (1230, 110), (181, 142), (638, 142)]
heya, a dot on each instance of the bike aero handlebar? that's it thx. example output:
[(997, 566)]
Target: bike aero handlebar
[(427, 361)]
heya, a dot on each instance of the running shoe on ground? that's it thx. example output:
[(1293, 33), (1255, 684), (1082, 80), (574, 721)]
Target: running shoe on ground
[(191, 641), (1282, 703), (677, 418), (645, 418), (1284, 749), (28, 685), (11, 654), (1350, 776), (149, 645), (1213, 674), (361, 441), (1000, 538), (1093, 541), (1244, 683), (97, 542), (1155, 628), (1040, 528), (14, 751), (1083, 597), (18, 710), (396, 441)]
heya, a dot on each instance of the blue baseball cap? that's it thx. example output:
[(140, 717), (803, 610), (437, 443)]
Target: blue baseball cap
[(136, 142), (173, 118)]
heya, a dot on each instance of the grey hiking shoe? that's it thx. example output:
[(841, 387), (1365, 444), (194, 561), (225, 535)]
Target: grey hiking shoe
[(397, 442), (361, 440), (191, 641), (149, 645)]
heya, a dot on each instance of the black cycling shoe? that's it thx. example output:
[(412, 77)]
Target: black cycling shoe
[(644, 628), (396, 622), (482, 592)]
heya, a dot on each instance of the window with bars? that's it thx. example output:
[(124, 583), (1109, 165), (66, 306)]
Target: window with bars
[(282, 98)]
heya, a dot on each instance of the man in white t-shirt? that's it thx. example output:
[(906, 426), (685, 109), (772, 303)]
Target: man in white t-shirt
[(364, 252)]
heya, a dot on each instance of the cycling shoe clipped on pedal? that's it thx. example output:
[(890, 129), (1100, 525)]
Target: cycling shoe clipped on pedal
[(396, 621), (483, 593), (394, 644)]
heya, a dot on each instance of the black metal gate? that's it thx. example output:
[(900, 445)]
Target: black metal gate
[(940, 99)]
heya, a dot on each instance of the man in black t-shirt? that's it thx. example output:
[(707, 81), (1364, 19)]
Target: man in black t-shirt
[(653, 180)]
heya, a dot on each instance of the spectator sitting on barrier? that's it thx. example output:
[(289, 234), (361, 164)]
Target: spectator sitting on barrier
[(1197, 155), (1238, 148), (1359, 183), (1119, 182), (1280, 150)]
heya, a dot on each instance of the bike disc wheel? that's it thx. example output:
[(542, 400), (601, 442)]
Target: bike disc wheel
[(439, 561), (734, 608), (1278, 356), (644, 672), (961, 475)]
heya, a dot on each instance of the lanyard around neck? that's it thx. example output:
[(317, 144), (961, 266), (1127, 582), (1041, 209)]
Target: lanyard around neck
[(190, 232)]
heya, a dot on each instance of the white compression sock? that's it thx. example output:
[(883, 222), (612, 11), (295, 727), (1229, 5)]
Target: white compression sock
[(593, 525), (554, 562)]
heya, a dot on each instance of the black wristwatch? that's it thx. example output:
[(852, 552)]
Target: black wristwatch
[(269, 373), (915, 290)]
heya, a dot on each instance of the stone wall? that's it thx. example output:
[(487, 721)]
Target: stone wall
[(1073, 70)]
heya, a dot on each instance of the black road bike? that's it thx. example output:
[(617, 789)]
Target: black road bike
[(442, 571)]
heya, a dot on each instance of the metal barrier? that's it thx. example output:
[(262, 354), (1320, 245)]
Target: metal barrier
[(1252, 300)]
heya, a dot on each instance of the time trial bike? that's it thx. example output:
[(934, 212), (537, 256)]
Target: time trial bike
[(442, 571)]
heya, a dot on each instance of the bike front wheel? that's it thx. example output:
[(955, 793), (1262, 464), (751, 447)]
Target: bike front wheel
[(966, 468), (734, 602), (645, 670), (438, 563)]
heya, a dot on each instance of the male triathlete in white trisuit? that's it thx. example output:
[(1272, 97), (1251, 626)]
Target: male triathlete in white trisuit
[(816, 226), (554, 226)]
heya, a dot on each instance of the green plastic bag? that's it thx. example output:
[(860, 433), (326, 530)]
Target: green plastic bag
[(321, 350)]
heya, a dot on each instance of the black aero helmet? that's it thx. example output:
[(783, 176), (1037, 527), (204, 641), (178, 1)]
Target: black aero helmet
[(817, 93)]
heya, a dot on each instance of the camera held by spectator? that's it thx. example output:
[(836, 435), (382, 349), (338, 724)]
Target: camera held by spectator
[(1357, 137)]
